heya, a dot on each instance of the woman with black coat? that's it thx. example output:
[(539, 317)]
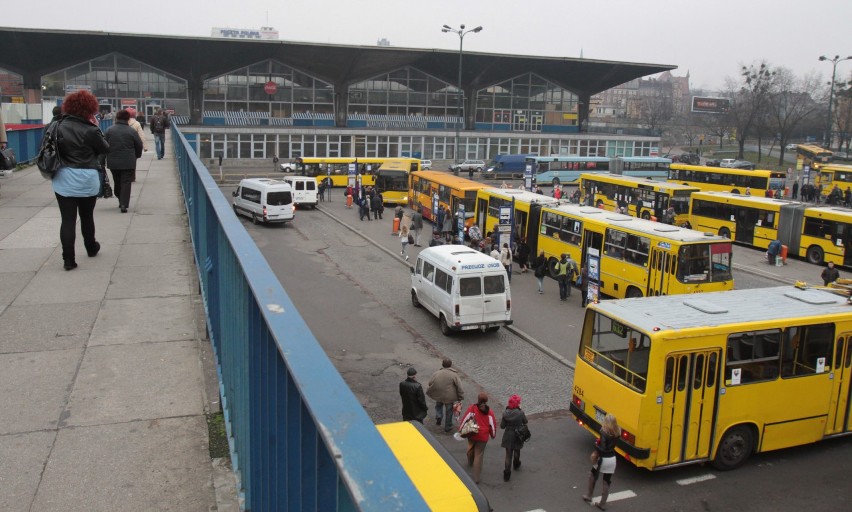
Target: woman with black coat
[(125, 147), (513, 418)]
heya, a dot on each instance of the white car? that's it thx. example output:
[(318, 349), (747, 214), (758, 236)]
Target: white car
[(467, 165), (791, 147), (287, 167), (728, 162), (426, 164)]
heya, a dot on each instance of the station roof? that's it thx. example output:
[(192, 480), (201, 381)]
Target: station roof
[(35, 52)]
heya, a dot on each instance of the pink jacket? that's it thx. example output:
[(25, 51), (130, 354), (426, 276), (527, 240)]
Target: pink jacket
[(487, 423)]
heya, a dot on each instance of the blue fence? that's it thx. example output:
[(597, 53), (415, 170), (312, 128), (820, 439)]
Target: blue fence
[(299, 438)]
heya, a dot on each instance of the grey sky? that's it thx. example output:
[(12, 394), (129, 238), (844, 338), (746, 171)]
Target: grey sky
[(708, 39)]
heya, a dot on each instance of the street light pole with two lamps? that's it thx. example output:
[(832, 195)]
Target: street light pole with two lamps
[(461, 33), (834, 62)]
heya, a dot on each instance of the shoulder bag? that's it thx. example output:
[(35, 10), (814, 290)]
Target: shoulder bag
[(106, 189), (48, 160), (469, 428), (8, 162)]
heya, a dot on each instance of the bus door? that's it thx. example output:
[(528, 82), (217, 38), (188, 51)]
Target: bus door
[(746, 219), (591, 239), (661, 204), (533, 224), (840, 410), (688, 402), (482, 214), (661, 262)]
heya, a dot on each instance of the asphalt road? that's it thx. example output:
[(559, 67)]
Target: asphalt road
[(347, 279)]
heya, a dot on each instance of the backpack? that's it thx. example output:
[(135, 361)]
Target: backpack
[(48, 160), (157, 124)]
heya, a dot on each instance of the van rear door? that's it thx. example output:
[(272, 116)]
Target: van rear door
[(279, 205), (495, 297), (471, 304)]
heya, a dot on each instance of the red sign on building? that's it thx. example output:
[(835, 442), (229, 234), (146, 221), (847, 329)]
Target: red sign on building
[(270, 87)]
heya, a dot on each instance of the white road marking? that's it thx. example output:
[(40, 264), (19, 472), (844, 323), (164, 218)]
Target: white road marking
[(616, 496), (537, 510), (696, 479)]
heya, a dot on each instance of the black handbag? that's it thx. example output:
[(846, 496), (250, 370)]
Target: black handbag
[(106, 189), (48, 160), (8, 162)]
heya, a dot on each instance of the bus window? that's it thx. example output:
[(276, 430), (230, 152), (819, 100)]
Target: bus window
[(755, 353), (807, 350), (615, 244), (711, 371), (608, 348)]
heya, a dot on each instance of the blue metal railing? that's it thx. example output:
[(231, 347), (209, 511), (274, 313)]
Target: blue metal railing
[(299, 438)]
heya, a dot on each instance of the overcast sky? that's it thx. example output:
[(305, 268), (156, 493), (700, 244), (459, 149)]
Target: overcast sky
[(710, 40)]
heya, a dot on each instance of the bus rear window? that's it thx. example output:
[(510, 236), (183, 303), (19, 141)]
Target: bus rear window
[(616, 349)]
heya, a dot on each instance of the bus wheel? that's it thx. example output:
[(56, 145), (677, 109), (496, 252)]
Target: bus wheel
[(815, 255), (646, 215), (555, 182), (414, 301), (725, 232), (445, 327), (633, 293), (736, 446), (551, 267), (735, 191)]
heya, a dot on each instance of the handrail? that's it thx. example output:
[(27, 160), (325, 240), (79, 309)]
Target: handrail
[(299, 438)]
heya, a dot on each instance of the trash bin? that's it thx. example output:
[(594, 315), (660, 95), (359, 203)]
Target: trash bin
[(395, 225), (784, 254)]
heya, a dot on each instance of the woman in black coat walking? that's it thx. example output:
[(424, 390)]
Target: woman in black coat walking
[(125, 147), (513, 418)]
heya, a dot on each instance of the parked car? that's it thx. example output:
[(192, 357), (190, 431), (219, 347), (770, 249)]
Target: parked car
[(791, 147), (287, 166), (712, 162), (842, 155), (426, 164), (744, 164), (727, 162), (476, 165), (690, 159)]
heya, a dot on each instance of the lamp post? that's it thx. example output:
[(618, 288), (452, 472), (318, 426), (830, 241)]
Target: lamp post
[(461, 33), (834, 62)]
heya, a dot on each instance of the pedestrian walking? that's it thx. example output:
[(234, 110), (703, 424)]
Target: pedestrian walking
[(376, 205), (506, 260), (795, 189), (447, 227), (404, 235), (445, 388), (523, 255), (829, 274), (125, 147), (484, 418), (513, 419), (540, 269), (584, 285), (417, 226), (566, 273), (603, 460), (349, 192), (159, 124), (413, 401)]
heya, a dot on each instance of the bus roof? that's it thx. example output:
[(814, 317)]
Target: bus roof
[(635, 181), (730, 197), (720, 309), (649, 227), (397, 164), (568, 158), (445, 178), (647, 159), (723, 170), (520, 195)]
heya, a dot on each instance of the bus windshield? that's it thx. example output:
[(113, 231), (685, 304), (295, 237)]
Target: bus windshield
[(710, 262), (392, 181), (616, 349)]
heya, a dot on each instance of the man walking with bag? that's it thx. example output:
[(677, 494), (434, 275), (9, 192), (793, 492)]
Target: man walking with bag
[(566, 272), (445, 388), (159, 124)]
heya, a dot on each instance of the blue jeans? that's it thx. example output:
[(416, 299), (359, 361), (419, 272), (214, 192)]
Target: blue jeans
[(444, 412), (160, 144), (564, 287)]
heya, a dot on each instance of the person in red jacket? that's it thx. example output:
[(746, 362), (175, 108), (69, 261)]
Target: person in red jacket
[(484, 417)]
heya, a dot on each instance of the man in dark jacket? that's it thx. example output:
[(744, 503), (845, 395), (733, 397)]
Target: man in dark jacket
[(159, 124), (413, 399), (125, 146)]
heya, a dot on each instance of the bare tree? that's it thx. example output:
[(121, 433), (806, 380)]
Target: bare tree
[(656, 107), (789, 103), (843, 113), (748, 96)]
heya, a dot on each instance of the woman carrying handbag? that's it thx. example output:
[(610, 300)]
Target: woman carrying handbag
[(487, 424), (513, 419), (603, 460)]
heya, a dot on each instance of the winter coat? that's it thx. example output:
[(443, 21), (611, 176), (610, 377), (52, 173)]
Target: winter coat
[(413, 402), (512, 419), (125, 146), (486, 421), (80, 143), (445, 386)]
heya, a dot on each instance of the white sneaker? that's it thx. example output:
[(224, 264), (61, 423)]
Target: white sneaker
[(406, 257)]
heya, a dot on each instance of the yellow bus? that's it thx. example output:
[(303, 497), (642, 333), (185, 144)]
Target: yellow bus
[(336, 169), (637, 257), (525, 216), (832, 175), (392, 179), (450, 190), (717, 377), (820, 234), (643, 197), (811, 154), (723, 179), (442, 482)]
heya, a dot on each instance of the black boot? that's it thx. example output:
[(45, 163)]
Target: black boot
[(69, 264), (516, 463), (507, 474), (92, 250)]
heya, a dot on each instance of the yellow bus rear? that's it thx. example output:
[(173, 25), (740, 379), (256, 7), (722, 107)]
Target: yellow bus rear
[(712, 378), (643, 197), (637, 257)]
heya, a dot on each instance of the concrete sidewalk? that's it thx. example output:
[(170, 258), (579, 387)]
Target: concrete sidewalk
[(105, 376)]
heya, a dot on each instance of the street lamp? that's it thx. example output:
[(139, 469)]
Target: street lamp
[(834, 62), (461, 33)]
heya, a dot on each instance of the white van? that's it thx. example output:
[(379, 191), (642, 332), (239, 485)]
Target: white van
[(264, 200), (304, 190), (465, 289)]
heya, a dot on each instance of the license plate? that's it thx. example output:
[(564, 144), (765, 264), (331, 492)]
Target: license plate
[(469, 327), (599, 415)]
